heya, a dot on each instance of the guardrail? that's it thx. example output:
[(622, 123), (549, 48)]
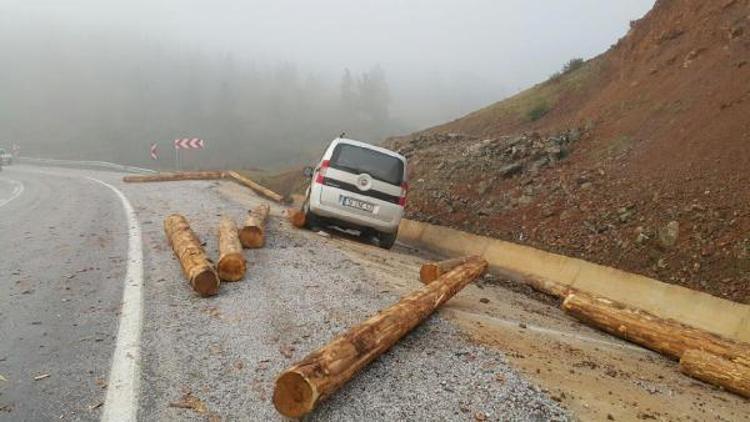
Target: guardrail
[(105, 165)]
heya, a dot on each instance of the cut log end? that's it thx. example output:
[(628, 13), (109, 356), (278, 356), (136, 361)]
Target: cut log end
[(294, 396), (206, 283), (232, 267), (429, 273), (252, 237), (296, 217)]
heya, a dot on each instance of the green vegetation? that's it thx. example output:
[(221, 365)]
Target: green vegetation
[(538, 111), (571, 66), (536, 102)]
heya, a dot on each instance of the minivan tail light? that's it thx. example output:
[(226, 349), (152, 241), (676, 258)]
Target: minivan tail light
[(404, 190), (322, 171)]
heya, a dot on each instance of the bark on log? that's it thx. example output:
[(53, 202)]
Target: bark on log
[(662, 335), (195, 265), (542, 284), (300, 388), (169, 177), (716, 370), (252, 234), (296, 217), (232, 264), (431, 271), (262, 190)]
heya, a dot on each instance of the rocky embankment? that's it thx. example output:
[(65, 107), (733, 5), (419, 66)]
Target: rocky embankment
[(529, 189)]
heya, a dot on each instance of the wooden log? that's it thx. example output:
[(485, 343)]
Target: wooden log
[(260, 189), (232, 264), (716, 370), (252, 234), (195, 264), (431, 271), (544, 285), (301, 387), (665, 336), (296, 217), (169, 177)]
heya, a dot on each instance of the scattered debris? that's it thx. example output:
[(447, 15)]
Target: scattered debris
[(96, 406), (189, 401), (41, 377)]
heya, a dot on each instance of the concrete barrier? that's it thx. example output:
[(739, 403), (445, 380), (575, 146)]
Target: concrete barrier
[(697, 309)]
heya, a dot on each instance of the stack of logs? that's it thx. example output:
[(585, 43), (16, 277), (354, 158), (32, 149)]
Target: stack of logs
[(197, 267)]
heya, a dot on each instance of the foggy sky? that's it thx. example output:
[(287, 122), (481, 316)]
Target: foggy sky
[(475, 51)]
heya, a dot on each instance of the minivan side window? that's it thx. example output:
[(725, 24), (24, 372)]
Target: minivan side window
[(357, 160)]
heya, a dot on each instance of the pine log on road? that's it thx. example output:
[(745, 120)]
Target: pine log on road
[(177, 176), (231, 265), (716, 370), (296, 217), (431, 271), (252, 234), (195, 264), (300, 388), (662, 335), (262, 190)]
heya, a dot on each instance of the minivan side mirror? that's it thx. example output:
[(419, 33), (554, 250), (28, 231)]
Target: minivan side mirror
[(309, 172)]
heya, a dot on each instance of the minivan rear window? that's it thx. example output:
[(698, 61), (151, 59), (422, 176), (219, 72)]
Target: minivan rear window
[(358, 160)]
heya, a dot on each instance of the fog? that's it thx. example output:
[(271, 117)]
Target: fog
[(267, 83)]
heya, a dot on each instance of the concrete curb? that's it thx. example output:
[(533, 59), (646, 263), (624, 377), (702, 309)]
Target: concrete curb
[(697, 309)]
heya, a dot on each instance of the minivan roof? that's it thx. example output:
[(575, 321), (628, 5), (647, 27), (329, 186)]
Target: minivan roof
[(368, 146)]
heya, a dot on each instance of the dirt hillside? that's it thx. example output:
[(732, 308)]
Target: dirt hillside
[(638, 158)]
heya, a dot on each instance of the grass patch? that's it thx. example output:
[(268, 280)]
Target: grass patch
[(538, 111), (535, 102)]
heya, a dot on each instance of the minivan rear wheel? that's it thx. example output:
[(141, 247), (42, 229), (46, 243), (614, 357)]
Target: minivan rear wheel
[(386, 240)]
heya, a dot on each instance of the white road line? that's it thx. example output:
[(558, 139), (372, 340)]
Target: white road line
[(18, 189), (121, 403)]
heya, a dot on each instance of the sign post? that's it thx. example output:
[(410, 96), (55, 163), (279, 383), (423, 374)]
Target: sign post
[(186, 143)]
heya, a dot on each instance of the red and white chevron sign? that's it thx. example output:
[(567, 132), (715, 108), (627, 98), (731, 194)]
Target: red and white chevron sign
[(153, 152), (188, 143)]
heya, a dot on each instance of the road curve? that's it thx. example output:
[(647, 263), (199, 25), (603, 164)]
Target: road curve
[(63, 239)]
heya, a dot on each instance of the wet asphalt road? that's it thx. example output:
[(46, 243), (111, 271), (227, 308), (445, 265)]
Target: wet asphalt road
[(62, 245)]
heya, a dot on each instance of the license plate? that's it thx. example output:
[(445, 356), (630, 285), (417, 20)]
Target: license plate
[(356, 203)]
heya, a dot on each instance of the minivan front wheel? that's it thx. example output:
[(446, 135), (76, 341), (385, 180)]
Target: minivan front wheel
[(386, 240)]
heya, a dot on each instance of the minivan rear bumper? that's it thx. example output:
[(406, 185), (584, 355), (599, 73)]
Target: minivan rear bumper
[(387, 220)]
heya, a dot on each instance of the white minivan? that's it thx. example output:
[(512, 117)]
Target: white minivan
[(358, 186)]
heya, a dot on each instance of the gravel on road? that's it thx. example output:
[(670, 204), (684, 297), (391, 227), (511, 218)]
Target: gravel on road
[(301, 290)]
